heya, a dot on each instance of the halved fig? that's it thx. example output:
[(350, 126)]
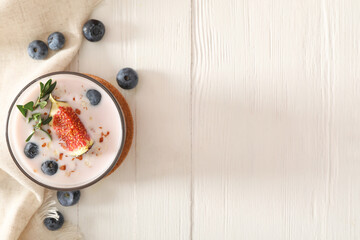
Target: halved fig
[(69, 129)]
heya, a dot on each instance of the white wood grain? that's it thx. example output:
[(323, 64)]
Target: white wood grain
[(246, 120), (270, 103), (163, 119), (148, 197)]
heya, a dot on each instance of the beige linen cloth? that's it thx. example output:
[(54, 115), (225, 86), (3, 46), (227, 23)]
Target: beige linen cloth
[(22, 21)]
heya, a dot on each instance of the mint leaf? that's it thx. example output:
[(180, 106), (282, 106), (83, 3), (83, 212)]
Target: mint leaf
[(46, 87), (41, 86), (38, 124), (46, 121), (51, 88), (42, 100), (35, 117), (29, 106), (22, 110), (29, 137), (47, 84), (42, 104)]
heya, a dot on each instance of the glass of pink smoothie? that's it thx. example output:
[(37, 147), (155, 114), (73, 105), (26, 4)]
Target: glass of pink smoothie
[(104, 124)]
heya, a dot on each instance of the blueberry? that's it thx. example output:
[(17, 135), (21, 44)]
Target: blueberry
[(94, 96), (52, 224), (31, 150), (127, 78), (56, 41), (93, 30), (37, 50), (68, 198), (49, 167)]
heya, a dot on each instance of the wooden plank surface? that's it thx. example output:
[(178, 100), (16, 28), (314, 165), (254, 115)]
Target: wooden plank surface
[(273, 112), (258, 118), (246, 120), (148, 197)]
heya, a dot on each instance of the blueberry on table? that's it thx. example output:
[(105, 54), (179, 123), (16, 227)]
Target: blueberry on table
[(49, 167), (37, 50), (31, 150), (93, 30), (52, 224), (127, 78), (56, 41), (94, 96), (68, 198)]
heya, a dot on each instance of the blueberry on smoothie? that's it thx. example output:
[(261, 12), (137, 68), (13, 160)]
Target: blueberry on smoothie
[(93, 30), (56, 41), (68, 198), (37, 50), (52, 224), (31, 150), (127, 78), (94, 96), (49, 167)]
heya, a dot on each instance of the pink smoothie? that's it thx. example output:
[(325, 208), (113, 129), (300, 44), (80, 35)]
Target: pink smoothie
[(102, 122)]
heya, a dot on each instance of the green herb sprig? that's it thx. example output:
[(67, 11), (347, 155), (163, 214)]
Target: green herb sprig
[(42, 101)]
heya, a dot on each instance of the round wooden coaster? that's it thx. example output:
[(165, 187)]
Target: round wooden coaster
[(127, 115)]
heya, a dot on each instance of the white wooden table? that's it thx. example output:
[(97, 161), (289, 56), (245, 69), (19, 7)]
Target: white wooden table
[(247, 119)]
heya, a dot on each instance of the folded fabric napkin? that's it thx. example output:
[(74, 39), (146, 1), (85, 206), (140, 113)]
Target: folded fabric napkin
[(21, 201)]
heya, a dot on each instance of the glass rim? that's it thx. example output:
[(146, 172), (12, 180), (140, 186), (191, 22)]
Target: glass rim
[(122, 121)]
